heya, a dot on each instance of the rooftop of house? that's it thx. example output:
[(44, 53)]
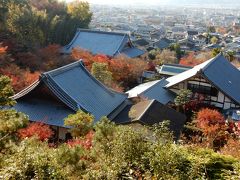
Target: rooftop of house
[(219, 71), (172, 69), (150, 112)]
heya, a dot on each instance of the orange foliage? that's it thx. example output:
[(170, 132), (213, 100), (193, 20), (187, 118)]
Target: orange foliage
[(212, 124), (40, 130), (191, 60), (20, 78), (86, 142), (232, 148), (125, 71)]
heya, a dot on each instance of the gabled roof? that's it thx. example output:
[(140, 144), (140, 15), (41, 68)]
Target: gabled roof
[(153, 90), (163, 43), (219, 71), (151, 112), (78, 89), (99, 42)]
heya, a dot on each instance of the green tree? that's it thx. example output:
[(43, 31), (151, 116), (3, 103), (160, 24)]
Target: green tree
[(216, 51), (100, 72), (183, 97), (80, 122), (214, 40), (6, 91), (211, 29)]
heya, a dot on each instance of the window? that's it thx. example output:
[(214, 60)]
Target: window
[(196, 88)]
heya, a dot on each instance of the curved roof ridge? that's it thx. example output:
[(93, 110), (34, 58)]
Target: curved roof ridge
[(101, 32), (73, 40), (26, 90), (62, 94), (67, 67), (120, 44)]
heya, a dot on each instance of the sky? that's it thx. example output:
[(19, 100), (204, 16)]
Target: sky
[(164, 2)]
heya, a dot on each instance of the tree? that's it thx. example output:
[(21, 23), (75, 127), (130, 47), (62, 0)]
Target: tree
[(212, 124), (176, 47), (214, 40), (215, 52), (10, 122), (183, 97), (100, 72), (211, 29), (165, 56), (6, 92), (41, 131), (80, 122)]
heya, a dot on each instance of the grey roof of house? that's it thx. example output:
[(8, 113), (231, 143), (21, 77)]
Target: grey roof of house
[(100, 42), (132, 52), (141, 42), (78, 89), (172, 69), (151, 112), (219, 71), (163, 43), (153, 90)]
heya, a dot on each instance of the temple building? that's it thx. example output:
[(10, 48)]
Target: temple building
[(64, 91), (100, 42)]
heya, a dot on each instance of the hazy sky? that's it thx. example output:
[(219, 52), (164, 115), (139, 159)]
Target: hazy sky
[(164, 2)]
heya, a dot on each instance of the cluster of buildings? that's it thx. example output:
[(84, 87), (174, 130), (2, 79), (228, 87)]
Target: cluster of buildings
[(160, 27), (64, 91)]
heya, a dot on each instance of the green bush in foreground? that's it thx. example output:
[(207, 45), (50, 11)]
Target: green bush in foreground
[(118, 152)]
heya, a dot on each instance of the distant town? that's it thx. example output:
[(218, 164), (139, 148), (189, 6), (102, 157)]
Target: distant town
[(191, 27)]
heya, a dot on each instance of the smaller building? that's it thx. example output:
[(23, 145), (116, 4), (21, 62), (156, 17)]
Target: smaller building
[(168, 70), (150, 112)]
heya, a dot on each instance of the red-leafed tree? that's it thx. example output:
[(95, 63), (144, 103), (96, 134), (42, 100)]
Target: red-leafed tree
[(125, 71), (193, 59), (40, 130), (213, 126), (85, 142)]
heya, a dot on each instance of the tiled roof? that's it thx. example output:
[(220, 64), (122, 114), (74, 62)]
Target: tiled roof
[(151, 112), (100, 42), (219, 71), (153, 90), (78, 89)]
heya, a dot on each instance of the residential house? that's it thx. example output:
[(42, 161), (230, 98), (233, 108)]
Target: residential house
[(217, 80)]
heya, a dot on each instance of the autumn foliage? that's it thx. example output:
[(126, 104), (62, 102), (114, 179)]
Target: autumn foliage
[(212, 124), (125, 71), (85, 142), (193, 59), (38, 129)]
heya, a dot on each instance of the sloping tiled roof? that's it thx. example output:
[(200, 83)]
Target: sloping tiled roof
[(153, 90), (44, 111), (100, 42), (78, 89), (132, 52), (219, 71), (163, 43), (152, 112)]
